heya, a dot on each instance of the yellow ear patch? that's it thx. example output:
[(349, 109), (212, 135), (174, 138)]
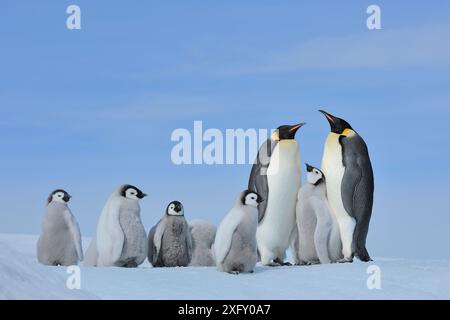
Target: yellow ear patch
[(275, 136), (348, 133)]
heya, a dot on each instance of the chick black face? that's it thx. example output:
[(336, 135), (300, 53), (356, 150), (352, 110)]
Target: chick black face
[(59, 195), (175, 208), (131, 192)]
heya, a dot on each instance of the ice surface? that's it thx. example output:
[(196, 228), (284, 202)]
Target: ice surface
[(22, 277)]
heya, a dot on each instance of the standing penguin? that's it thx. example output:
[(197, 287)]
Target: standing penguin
[(169, 241), (203, 235), (319, 238), (120, 239), (235, 248), (276, 176), (60, 240), (350, 186)]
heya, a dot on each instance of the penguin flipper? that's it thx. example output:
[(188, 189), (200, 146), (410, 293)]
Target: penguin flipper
[(189, 242), (323, 230), (157, 240), (74, 230), (150, 246), (357, 190), (110, 236), (224, 235), (258, 176)]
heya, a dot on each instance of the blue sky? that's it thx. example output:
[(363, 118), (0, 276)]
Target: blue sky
[(90, 109)]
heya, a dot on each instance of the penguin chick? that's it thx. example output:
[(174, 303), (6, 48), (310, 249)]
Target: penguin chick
[(235, 248), (169, 241), (203, 235), (120, 239), (60, 240), (319, 239)]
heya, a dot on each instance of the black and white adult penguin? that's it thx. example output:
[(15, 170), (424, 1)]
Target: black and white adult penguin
[(350, 186), (276, 177)]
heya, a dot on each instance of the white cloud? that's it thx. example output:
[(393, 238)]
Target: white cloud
[(413, 47)]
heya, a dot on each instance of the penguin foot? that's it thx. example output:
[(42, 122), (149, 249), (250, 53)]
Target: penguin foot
[(233, 272), (345, 260), (273, 264), (310, 263), (365, 259), (282, 263)]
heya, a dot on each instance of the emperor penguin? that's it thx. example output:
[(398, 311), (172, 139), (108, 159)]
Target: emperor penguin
[(203, 235), (235, 248), (350, 185), (169, 241), (120, 239), (60, 240), (319, 238), (276, 176)]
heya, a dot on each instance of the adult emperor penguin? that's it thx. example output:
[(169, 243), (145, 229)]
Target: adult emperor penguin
[(203, 235), (276, 177), (120, 239), (319, 238), (169, 241), (347, 168), (60, 240), (235, 248)]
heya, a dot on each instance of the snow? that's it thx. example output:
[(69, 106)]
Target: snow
[(21, 277)]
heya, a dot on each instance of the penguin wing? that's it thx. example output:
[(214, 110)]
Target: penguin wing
[(110, 235), (357, 184), (188, 240), (74, 230), (224, 235), (150, 245), (157, 239), (258, 176)]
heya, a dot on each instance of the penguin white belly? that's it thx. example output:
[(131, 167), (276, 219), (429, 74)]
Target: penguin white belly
[(284, 178), (333, 168)]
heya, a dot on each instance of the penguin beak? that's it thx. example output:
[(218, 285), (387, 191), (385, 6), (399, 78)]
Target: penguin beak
[(67, 197), (309, 168), (142, 195), (259, 200), (329, 117), (293, 129)]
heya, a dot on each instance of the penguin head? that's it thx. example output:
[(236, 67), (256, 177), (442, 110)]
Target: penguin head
[(338, 125), (175, 208), (131, 192), (314, 175), (251, 198), (286, 132), (59, 195)]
